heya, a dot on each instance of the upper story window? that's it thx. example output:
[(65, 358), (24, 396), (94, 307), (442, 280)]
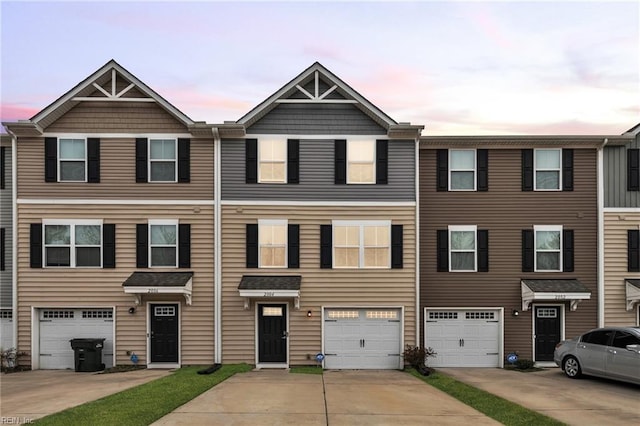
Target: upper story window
[(462, 170), (73, 245), (361, 161), (548, 169), (163, 154), (272, 159), (462, 248), (548, 246), (72, 160), (365, 244), (163, 243), (272, 236)]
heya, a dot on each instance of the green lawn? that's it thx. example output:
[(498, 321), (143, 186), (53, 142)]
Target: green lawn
[(506, 412), (306, 369), (144, 404)]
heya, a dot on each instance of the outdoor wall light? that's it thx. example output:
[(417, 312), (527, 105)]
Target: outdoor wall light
[(132, 310), (515, 313), (309, 313)]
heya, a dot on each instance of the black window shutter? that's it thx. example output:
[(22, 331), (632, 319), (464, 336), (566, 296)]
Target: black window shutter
[(109, 245), (633, 250), (293, 242), (3, 167), (251, 161), (442, 170), (50, 159), (443, 250), (528, 251), (142, 245), (483, 169), (3, 247), (293, 161), (93, 157), (483, 250), (184, 245), (527, 170), (340, 160), (567, 250), (184, 160), (397, 238), (35, 242), (633, 170), (141, 160), (382, 162), (567, 169), (326, 246), (252, 245)]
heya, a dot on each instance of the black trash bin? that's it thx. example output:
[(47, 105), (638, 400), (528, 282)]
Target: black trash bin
[(88, 354)]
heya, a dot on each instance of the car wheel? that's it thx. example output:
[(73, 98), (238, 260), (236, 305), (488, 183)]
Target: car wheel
[(571, 367)]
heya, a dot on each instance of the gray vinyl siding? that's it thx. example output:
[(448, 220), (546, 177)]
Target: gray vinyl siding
[(615, 177), (6, 220), (317, 176), (316, 119)]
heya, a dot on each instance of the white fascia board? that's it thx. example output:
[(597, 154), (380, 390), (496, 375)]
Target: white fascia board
[(269, 293)]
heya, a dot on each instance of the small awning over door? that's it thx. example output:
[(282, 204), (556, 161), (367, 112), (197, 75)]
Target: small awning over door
[(633, 292), (140, 283), (270, 287), (553, 290)]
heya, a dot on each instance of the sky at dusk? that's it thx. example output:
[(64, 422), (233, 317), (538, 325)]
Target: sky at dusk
[(457, 67)]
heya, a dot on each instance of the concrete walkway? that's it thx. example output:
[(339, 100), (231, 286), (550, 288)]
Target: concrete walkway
[(276, 397), (30, 395)]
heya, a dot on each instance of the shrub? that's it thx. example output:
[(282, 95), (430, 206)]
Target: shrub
[(524, 364), (416, 357)]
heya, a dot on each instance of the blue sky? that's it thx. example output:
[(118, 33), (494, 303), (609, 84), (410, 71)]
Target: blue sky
[(457, 67)]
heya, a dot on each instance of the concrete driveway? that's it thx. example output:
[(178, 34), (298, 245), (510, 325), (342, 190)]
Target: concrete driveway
[(587, 401), (29, 395), (276, 397)]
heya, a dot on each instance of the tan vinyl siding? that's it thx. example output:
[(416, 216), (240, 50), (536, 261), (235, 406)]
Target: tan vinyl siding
[(88, 287), (116, 117), (616, 226), (505, 210), (117, 174), (319, 287), (6, 223)]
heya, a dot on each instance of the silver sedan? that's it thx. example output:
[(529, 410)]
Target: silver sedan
[(610, 352)]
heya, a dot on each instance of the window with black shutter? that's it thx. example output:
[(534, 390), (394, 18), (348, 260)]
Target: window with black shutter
[(633, 250), (93, 157), (35, 245), (141, 160), (382, 162), (442, 169), (293, 161), (184, 160), (326, 246), (527, 171), (340, 162), (108, 245), (252, 245), (251, 160), (442, 243), (528, 250), (633, 169), (483, 250), (293, 243), (397, 248), (184, 245)]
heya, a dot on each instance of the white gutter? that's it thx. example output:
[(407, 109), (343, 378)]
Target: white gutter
[(601, 319), (417, 239), (217, 262), (14, 237)]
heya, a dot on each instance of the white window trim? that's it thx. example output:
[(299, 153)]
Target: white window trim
[(553, 228), (458, 228), (60, 160), (173, 222), (361, 224), (72, 246), (175, 160), (286, 164), (274, 222), (375, 156), (474, 170), (535, 170)]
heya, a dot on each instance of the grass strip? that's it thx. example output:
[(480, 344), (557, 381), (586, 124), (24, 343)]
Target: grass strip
[(306, 369), (506, 412), (144, 404)]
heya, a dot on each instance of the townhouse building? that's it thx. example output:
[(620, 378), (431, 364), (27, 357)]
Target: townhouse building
[(620, 219), (318, 230), (508, 245), (115, 234), (6, 244)]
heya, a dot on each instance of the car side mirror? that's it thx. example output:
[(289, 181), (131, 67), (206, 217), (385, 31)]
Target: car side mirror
[(634, 348)]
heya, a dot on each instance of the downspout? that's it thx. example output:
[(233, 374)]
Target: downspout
[(417, 238), (217, 221), (601, 286), (14, 237)]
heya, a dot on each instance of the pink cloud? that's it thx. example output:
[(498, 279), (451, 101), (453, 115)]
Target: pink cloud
[(13, 112)]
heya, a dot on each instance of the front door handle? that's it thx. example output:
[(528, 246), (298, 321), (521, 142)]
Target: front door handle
[(285, 334)]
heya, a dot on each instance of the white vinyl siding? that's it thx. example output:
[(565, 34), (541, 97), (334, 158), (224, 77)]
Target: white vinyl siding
[(272, 161), (462, 170)]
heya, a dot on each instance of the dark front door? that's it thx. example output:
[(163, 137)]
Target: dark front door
[(272, 333), (164, 333), (547, 331)]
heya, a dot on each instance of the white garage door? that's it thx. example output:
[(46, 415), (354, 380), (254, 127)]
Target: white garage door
[(362, 338), (463, 338), (6, 329), (59, 326)]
